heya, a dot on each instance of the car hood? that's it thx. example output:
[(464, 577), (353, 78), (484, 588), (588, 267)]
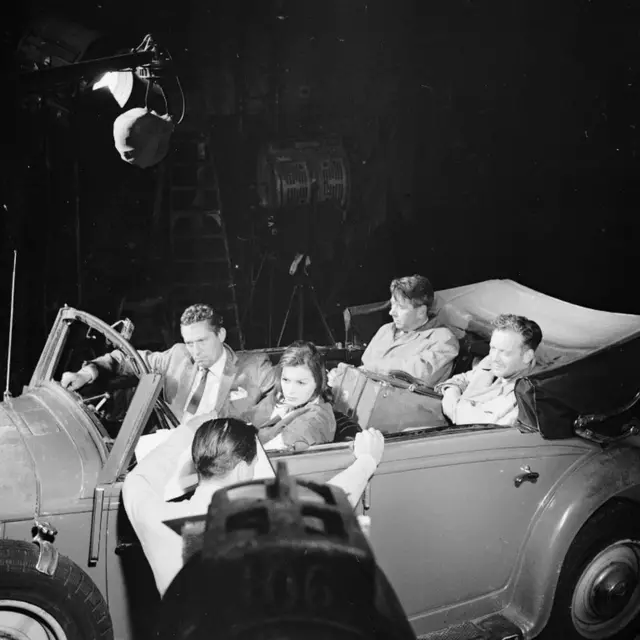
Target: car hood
[(18, 480), (49, 448)]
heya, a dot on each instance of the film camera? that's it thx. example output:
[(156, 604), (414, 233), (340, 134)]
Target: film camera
[(279, 558)]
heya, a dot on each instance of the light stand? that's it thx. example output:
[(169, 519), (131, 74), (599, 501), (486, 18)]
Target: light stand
[(293, 176), (267, 260), (303, 283)]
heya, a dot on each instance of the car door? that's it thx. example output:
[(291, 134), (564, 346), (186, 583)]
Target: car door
[(131, 592), (450, 511)]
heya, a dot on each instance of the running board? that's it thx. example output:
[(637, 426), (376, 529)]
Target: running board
[(492, 628)]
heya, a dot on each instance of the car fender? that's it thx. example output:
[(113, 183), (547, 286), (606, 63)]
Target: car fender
[(610, 473), (19, 482)]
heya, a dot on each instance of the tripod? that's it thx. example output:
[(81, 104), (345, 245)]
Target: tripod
[(303, 283)]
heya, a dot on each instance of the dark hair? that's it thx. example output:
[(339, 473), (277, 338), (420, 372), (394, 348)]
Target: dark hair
[(528, 329), (219, 445), (417, 289), (303, 353), (198, 313)]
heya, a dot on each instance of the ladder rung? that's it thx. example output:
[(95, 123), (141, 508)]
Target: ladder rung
[(200, 261), (222, 284), (195, 212), (207, 236), (183, 288), (193, 187)]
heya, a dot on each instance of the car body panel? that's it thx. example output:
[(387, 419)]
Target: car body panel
[(74, 533), (18, 480), (131, 592), (611, 473), (464, 561), (59, 439), (472, 521)]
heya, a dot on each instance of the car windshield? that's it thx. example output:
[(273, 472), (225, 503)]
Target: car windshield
[(106, 400)]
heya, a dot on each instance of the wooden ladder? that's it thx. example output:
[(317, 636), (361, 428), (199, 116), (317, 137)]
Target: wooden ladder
[(201, 260)]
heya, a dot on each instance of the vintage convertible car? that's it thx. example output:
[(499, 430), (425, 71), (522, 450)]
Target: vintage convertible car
[(484, 531)]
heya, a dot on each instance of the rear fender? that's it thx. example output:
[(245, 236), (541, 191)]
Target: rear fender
[(613, 473)]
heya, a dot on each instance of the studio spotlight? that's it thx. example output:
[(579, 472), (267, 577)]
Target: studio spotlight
[(141, 134), (288, 170), (119, 84)]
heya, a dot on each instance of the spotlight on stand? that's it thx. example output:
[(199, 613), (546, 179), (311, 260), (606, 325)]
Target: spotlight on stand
[(289, 170), (141, 134), (305, 185)]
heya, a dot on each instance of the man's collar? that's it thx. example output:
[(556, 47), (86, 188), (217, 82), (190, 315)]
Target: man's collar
[(204, 492), (232, 357), (523, 372), (218, 366), (428, 324)]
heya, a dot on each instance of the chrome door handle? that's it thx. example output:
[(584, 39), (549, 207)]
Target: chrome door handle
[(123, 547), (527, 476)]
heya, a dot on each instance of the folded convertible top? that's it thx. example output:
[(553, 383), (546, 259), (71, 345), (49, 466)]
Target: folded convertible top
[(587, 361)]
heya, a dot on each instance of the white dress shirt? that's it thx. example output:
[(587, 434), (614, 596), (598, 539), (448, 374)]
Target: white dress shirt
[(212, 387), (144, 490)]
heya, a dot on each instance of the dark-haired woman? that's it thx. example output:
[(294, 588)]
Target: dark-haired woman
[(296, 413)]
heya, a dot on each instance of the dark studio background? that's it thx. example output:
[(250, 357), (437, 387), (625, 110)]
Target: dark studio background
[(486, 139)]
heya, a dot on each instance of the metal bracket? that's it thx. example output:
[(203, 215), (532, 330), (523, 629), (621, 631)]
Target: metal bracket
[(44, 535), (583, 421), (631, 428), (96, 525)]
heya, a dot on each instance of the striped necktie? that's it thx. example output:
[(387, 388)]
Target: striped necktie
[(196, 397)]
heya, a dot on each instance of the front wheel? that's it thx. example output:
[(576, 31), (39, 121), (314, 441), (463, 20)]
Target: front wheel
[(598, 593), (36, 606)]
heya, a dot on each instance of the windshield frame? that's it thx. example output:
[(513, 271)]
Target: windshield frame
[(59, 334)]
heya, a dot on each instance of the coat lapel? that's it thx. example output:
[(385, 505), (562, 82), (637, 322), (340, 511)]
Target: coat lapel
[(228, 377), (186, 380)]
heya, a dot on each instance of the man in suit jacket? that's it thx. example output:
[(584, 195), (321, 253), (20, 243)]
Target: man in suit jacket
[(201, 376)]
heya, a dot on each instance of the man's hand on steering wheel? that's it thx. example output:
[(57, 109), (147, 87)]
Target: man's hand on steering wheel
[(76, 380)]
